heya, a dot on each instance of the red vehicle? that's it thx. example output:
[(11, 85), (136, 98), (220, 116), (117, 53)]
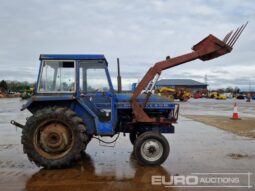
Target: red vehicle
[(197, 95), (200, 94)]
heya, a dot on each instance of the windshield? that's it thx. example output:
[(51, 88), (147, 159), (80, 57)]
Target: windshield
[(57, 76), (93, 76)]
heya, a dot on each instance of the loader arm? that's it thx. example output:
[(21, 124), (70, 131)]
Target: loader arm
[(207, 49)]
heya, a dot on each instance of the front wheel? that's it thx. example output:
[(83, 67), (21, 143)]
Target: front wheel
[(151, 148)]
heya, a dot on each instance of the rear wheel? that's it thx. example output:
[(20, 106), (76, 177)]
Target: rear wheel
[(151, 148), (54, 137)]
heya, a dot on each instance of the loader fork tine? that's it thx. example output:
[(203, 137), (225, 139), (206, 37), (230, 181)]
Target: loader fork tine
[(227, 36), (236, 35), (232, 44), (233, 36)]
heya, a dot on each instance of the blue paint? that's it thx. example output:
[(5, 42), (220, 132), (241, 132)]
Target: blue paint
[(133, 87), (154, 102), (161, 129), (72, 57), (38, 78)]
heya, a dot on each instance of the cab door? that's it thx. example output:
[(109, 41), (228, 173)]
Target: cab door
[(97, 93)]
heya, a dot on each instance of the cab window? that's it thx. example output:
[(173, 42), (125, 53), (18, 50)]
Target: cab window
[(57, 76), (93, 77)]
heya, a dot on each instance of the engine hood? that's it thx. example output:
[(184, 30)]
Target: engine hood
[(154, 102), (126, 97)]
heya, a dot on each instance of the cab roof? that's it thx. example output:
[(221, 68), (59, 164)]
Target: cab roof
[(72, 57)]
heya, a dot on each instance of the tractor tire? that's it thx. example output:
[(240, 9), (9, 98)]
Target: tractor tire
[(151, 148), (132, 137), (54, 137)]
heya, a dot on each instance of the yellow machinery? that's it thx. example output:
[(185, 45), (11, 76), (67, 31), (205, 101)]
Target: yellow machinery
[(27, 93), (217, 95), (175, 93)]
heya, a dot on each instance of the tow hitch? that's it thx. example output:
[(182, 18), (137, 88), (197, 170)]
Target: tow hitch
[(17, 124)]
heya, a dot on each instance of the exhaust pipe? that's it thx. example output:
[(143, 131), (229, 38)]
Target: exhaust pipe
[(119, 77)]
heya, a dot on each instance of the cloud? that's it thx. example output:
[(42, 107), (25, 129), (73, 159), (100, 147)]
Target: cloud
[(220, 72), (140, 33)]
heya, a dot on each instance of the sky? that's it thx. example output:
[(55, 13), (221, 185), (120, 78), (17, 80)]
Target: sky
[(140, 33)]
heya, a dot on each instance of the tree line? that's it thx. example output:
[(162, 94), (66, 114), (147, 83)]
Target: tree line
[(15, 86), (233, 90)]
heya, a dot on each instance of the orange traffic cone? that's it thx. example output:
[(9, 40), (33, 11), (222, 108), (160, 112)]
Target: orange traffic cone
[(235, 113)]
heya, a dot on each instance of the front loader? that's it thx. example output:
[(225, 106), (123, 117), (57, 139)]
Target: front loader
[(75, 101)]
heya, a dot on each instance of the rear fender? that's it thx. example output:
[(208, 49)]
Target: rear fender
[(38, 102)]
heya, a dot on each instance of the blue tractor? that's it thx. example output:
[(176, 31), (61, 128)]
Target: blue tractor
[(75, 101)]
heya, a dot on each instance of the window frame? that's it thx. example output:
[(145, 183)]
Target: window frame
[(57, 92), (107, 77)]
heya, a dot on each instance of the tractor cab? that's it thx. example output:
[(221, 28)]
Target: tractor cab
[(73, 74), (84, 77)]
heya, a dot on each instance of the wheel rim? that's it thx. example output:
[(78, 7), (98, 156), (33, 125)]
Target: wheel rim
[(151, 150), (53, 140)]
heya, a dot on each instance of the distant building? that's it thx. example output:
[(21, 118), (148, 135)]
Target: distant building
[(252, 93), (192, 85)]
